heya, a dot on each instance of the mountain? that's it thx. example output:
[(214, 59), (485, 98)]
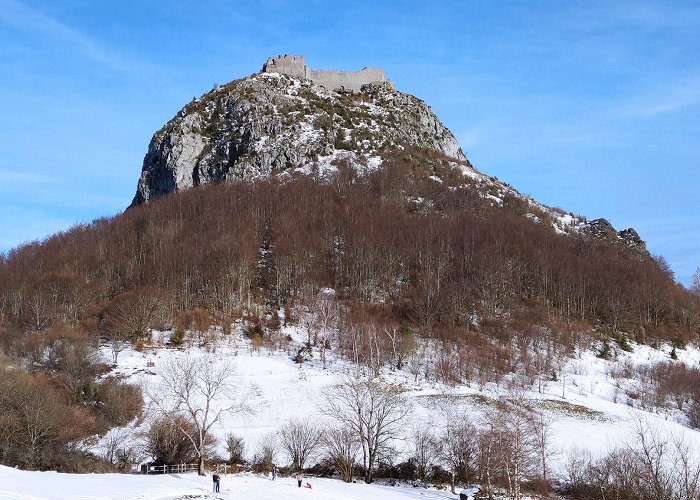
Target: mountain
[(291, 119), (332, 222), (270, 124)]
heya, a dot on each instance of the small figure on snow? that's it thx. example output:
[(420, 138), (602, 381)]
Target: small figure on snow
[(217, 482), (300, 477), (274, 472)]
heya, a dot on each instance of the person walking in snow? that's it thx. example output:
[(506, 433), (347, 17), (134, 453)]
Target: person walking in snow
[(299, 476), (217, 482), (274, 472)]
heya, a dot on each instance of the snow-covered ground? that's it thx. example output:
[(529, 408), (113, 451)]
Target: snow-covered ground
[(588, 408), (16, 485)]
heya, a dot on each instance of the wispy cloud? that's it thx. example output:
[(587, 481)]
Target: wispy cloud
[(30, 20), (14, 177), (655, 15), (665, 98)]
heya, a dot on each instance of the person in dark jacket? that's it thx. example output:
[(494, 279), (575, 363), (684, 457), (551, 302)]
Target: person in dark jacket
[(217, 482)]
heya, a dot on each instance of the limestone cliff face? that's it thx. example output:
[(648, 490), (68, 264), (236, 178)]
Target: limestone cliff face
[(271, 124)]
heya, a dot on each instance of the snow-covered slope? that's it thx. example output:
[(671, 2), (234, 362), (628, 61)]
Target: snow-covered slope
[(588, 407)]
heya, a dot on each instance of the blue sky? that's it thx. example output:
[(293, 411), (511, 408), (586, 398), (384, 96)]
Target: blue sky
[(590, 106)]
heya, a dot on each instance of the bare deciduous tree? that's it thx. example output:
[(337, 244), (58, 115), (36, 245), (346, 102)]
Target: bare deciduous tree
[(695, 285), (456, 440), (115, 451), (168, 441), (326, 315), (402, 343), (266, 451), (201, 391), (35, 423), (424, 451), (653, 452), (650, 467), (300, 439), (507, 445), (128, 317), (372, 410), (459, 449), (541, 440), (341, 449)]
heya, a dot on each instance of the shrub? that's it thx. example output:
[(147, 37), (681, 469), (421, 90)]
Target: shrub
[(117, 402), (168, 443), (236, 448), (605, 351), (36, 424)]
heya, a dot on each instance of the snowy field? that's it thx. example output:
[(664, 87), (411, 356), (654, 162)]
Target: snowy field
[(588, 408), (15, 485)]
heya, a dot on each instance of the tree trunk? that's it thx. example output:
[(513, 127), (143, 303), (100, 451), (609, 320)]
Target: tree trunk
[(200, 465), (370, 466)]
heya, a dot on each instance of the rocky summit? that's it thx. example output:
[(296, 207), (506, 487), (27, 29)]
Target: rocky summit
[(291, 119), (274, 123)]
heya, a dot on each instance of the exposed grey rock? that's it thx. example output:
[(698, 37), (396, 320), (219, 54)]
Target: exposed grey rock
[(631, 237), (268, 124), (601, 228), (276, 124)]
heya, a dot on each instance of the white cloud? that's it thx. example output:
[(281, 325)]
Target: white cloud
[(667, 97), (30, 20)]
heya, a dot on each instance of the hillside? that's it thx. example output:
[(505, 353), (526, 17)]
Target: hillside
[(310, 236), (590, 411), (269, 124), (272, 124)]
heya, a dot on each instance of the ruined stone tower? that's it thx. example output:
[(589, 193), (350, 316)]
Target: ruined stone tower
[(293, 65)]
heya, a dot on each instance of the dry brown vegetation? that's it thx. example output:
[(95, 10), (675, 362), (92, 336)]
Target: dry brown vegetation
[(407, 257)]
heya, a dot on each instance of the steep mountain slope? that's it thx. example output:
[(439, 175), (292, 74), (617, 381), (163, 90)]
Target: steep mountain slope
[(270, 123)]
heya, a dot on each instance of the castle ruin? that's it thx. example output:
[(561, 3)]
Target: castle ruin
[(293, 65)]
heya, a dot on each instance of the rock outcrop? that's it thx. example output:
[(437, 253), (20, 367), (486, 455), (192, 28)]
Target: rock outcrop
[(601, 228), (278, 123), (271, 123)]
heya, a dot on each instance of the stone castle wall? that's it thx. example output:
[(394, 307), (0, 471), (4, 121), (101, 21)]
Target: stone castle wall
[(294, 65), (286, 65)]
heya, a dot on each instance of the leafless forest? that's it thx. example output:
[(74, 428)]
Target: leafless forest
[(411, 260)]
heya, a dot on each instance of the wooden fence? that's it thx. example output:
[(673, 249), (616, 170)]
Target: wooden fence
[(220, 468), (171, 469), (182, 468)]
